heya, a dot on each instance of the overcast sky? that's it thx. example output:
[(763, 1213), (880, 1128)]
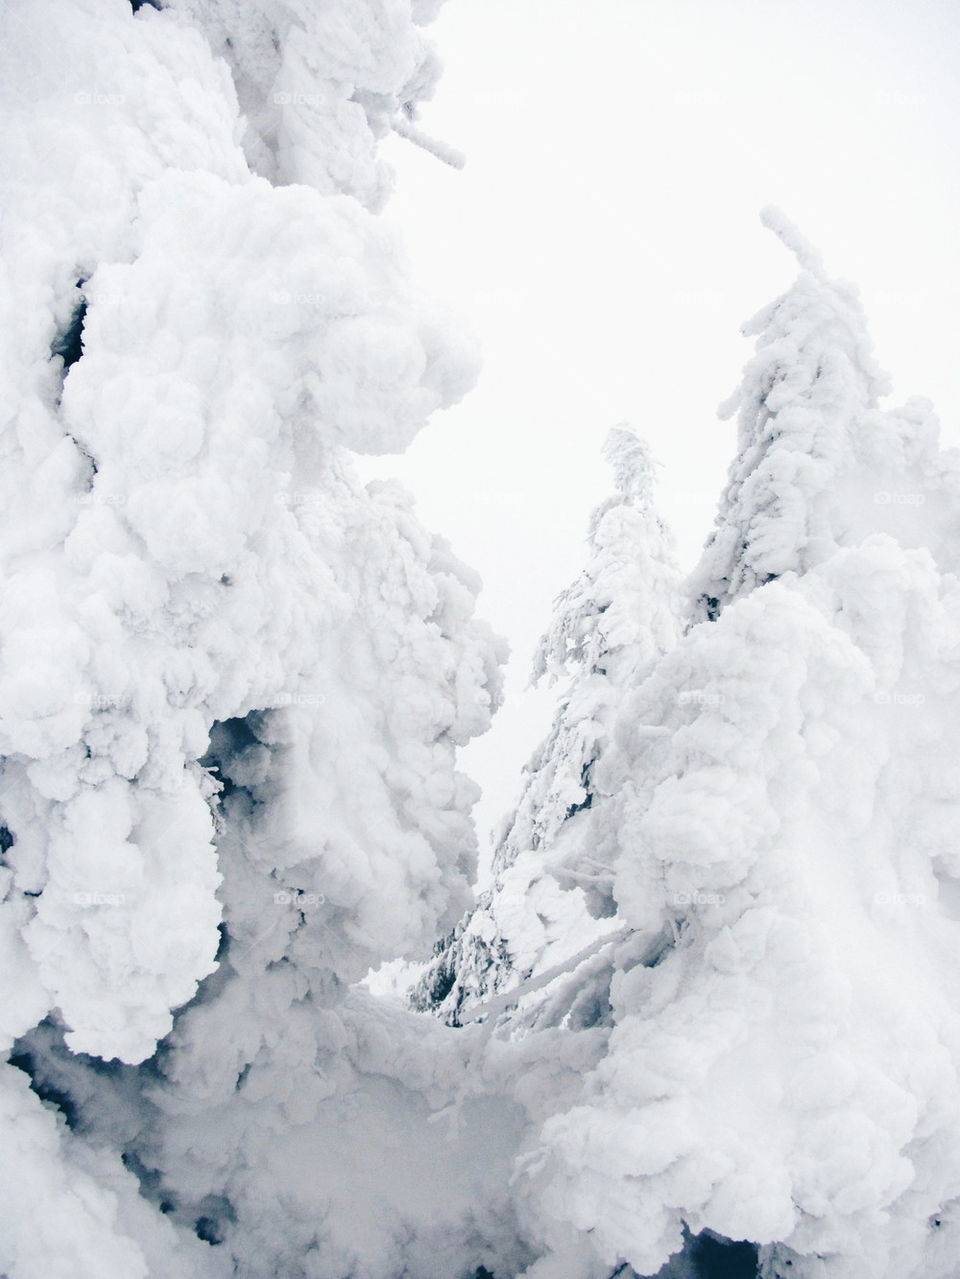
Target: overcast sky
[(603, 243)]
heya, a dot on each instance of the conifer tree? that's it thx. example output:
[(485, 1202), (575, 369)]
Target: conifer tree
[(552, 895), (233, 678), (778, 1069)]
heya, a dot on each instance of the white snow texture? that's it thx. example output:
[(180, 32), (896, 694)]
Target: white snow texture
[(232, 679), (707, 1020), (757, 1038)]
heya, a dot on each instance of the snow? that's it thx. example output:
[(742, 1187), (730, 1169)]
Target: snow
[(617, 618), (233, 679), (710, 995), (820, 464), (785, 1070), (319, 86)]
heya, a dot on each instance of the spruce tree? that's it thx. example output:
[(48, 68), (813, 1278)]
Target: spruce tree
[(552, 893), (818, 463), (781, 1056)]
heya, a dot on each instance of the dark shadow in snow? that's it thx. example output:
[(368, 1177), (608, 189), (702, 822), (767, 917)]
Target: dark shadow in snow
[(7, 841), (709, 1256), (231, 740), (48, 1092), (216, 1215), (106, 1101), (719, 1258), (587, 801), (90, 1092), (69, 344)]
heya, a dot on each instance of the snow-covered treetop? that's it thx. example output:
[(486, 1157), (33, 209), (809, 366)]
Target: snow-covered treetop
[(619, 614), (819, 464), (612, 606)]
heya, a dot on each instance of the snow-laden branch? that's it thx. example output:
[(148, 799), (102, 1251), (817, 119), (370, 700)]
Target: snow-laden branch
[(442, 150), (791, 237), (500, 1002)]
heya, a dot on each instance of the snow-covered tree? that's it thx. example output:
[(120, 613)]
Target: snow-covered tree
[(233, 680), (713, 995), (819, 465), (774, 1069), (551, 896)]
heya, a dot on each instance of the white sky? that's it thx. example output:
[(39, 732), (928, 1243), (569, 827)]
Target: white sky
[(603, 243)]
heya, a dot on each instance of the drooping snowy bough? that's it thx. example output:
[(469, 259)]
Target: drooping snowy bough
[(232, 678)]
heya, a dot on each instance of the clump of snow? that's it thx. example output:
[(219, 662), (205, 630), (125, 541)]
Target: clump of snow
[(233, 679), (188, 550), (320, 85)]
